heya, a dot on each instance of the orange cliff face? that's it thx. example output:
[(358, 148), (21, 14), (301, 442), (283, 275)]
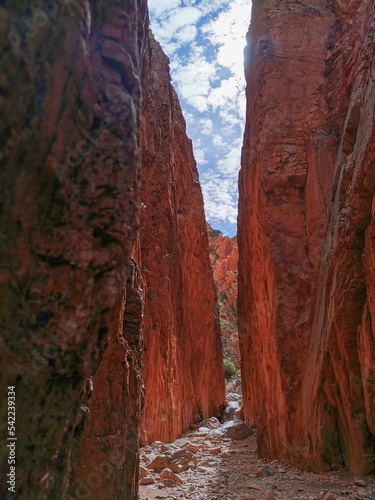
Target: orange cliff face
[(183, 368), (224, 261), (306, 254)]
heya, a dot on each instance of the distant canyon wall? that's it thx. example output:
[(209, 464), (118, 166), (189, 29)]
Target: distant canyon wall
[(306, 233), (224, 262)]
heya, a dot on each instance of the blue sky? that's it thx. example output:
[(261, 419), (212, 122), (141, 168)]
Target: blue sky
[(204, 40)]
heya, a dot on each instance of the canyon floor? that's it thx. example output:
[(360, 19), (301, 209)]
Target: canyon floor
[(219, 462)]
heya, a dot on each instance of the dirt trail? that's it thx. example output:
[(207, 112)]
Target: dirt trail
[(212, 467)]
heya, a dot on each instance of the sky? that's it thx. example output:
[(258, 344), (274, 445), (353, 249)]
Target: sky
[(204, 40)]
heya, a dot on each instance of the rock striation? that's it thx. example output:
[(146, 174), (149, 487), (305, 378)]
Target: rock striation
[(224, 262), (70, 96), (183, 368), (306, 233)]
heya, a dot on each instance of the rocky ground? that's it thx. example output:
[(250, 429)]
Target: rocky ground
[(219, 462)]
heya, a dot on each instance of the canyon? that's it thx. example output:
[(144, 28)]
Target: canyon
[(111, 314)]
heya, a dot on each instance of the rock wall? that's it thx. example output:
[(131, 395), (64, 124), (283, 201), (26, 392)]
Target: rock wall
[(183, 369), (224, 262), (105, 462), (69, 132), (306, 233)]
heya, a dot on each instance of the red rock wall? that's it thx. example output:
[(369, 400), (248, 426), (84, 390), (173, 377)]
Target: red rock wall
[(224, 262), (183, 370), (305, 233), (69, 134)]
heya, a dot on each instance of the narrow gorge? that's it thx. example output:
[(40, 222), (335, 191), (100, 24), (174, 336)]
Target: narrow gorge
[(118, 300)]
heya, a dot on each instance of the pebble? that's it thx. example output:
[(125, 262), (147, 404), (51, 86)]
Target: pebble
[(142, 471), (360, 482), (269, 495), (147, 480)]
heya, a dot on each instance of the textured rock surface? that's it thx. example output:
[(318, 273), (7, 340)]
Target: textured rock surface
[(106, 462), (224, 262), (69, 102), (306, 247), (183, 370)]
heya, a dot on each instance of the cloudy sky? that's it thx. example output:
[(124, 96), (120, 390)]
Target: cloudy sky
[(204, 40)]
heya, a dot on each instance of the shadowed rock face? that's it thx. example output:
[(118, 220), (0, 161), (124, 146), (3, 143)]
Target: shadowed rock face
[(183, 369), (224, 262), (69, 133), (105, 463), (306, 252)]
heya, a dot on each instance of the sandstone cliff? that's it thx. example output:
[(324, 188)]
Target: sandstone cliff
[(183, 369), (70, 101), (224, 262), (306, 278)]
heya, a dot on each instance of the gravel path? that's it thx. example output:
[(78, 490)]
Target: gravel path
[(203, 465)]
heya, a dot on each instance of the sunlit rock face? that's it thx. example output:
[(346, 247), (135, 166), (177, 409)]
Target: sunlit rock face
[(183, 370), (224, 262), (306, 233), (69, 129)]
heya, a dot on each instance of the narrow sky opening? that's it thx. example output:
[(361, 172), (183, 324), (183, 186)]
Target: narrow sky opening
[(204, 40)]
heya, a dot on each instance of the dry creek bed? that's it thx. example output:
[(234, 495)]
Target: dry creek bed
[(219, 462)]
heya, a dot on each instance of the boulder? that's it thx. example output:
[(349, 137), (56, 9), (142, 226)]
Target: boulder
[(234, 429), (168, 474), (176, 460)]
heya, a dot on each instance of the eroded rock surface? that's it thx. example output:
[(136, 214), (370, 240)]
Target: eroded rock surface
[(306, 314), (69, 134), (183, 369), (106, 461)]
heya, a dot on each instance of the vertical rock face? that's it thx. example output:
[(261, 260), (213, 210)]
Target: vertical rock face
[(306, 246), (69, 133), (106, 461), (224, 262), (183, 369)]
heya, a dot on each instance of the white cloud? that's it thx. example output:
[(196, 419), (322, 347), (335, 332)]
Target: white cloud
[(159, 8), (181, 17), (206, 126), (219, 198), (220, 96), (204, 40), (193, 81), (228, 31), (219, 186), (217, 140), (186, 35), (230, 164), (199, 155), (189, 117)]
